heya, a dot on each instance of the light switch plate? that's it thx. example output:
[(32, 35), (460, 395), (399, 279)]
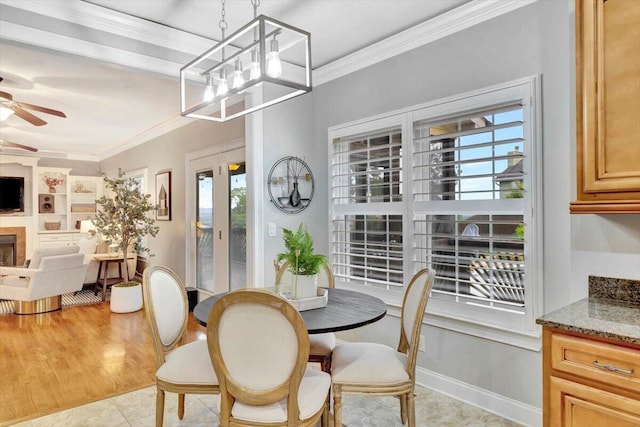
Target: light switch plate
[(272, 229)]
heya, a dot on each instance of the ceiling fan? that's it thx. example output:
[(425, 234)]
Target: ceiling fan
[(8, 106), (8, 144)]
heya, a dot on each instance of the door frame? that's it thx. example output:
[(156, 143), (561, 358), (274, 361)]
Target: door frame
[(189, 199)]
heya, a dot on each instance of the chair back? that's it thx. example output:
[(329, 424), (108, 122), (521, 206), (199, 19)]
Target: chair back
[(57, 275), (259, 348), (285, 277), (40, 253), (166, 308), (413, 307)]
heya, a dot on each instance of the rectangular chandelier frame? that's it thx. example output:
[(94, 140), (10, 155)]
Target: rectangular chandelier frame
[(294, 47)]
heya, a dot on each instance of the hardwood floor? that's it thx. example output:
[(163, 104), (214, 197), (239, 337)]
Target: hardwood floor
[(58, 360)]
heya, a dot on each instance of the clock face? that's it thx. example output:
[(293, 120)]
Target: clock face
[(291, 184)]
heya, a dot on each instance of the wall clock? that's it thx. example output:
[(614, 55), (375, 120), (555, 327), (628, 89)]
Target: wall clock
[(291, 184)]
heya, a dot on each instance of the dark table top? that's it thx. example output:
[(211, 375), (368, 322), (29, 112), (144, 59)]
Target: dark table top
[(345, 310)]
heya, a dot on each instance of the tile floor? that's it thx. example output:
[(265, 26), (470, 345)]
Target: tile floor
[(137, 409)]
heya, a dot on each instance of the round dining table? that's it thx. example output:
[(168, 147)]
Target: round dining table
[(345, 310)]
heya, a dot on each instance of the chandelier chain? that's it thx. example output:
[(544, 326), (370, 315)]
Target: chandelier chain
[(255, 4), (223, 23)]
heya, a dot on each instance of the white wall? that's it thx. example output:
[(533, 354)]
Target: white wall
[(167, 153), (537, 39)]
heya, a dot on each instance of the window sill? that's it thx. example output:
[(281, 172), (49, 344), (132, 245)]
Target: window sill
[(529, 341)]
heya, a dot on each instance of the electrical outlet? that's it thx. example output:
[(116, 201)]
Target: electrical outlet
[(421, 344), (272, 229)]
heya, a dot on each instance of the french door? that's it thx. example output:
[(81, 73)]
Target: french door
[(218, 227)]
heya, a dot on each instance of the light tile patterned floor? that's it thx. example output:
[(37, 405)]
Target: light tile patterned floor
[(137, 409)]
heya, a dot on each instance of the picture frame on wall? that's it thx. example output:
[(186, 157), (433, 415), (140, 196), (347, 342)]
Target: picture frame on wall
[(163, 196)]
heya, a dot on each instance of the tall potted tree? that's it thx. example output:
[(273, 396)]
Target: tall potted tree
[(304, 263), (124, 218)]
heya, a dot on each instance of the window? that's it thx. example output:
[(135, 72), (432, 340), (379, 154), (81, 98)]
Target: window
[(367, 200), (471, 192), (140, 177)]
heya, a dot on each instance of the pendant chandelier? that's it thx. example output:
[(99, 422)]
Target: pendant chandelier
[(266, 58)]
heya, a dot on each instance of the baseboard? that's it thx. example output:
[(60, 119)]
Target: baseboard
[(502, 406)]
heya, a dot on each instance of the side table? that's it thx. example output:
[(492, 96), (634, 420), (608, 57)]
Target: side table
[(103, 281)]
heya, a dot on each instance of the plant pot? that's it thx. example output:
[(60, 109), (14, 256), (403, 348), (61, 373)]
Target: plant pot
[(126, 299), (52, 189), (304, 286)]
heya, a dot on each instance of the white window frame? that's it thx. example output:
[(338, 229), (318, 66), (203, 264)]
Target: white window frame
[(374, 125), (515, 329)]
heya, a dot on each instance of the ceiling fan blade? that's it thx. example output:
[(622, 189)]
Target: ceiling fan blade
[(41, 109), (13, 144), (36, 121)]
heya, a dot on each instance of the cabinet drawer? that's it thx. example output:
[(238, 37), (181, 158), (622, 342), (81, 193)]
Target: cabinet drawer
[(577, 405), (607, 363)]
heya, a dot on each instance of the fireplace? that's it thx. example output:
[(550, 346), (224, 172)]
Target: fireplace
[(13, 246), (8, 250)]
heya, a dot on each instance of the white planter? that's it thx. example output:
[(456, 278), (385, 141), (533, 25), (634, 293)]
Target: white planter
[(304, 286), (126, 299)]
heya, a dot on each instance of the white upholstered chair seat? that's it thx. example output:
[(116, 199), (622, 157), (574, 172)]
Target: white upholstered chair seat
[(368, 363), (311, 396), (322, 343), (184, 368), (52, 272), (188, 364), (377, 369)]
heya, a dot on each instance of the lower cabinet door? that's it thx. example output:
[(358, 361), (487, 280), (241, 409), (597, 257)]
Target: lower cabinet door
[(577, 405)]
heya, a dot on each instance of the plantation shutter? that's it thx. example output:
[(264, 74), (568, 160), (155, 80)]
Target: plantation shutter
[(468, 194), (366, 202)]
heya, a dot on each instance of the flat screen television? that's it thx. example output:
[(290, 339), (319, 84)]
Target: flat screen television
[(11, 194)]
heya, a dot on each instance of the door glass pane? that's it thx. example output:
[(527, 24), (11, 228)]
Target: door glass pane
[(204, 232), (238, 226)]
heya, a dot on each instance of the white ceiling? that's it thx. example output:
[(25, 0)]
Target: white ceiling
[(112, 65)]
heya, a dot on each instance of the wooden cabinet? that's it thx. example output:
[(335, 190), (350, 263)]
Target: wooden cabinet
[(608, 106), (589, 382)]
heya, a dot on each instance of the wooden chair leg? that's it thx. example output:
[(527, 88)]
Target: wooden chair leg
[(326, 412), (180, 406), (411, 410), (159, 407), (403, 408), (337, 406)]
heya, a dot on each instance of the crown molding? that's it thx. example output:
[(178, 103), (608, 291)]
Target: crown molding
[(116, 23), (71, 45), (169, 124), (458, 19)]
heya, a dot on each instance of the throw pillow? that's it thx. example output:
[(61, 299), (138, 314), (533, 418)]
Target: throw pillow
[(87, 245)]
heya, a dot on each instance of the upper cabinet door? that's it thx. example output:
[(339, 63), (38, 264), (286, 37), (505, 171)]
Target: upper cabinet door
[(608, 106)]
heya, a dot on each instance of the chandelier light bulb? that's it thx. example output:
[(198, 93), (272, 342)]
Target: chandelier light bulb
[(223, 88), (274, 66), (238, 77), (209, 93), (254, 68)]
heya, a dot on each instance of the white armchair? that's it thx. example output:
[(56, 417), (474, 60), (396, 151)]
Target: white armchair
[(39, 288)]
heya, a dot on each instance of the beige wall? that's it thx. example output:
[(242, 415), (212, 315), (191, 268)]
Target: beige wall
[(167, 153)]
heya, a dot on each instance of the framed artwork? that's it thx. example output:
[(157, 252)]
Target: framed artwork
[(163, 196)]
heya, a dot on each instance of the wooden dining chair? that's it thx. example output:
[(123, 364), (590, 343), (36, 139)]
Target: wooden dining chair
[(180, 368), (259, 347), (376, 369), (320, 345)]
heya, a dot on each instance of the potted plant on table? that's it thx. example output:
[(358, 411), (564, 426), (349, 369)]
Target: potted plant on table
[(304, 263), (124, 218)]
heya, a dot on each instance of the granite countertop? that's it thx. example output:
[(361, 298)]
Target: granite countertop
[(600, 317), (611, 311)]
